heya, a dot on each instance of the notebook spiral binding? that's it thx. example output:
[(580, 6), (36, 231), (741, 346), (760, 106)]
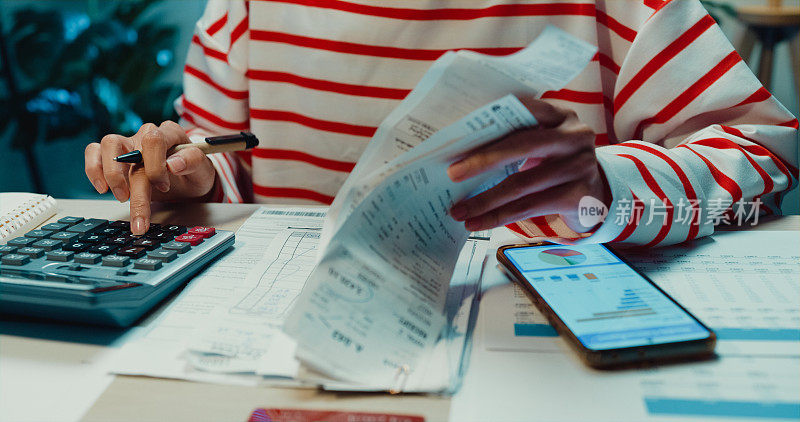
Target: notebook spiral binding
[(26, 215)]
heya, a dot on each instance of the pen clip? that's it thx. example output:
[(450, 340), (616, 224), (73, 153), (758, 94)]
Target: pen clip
[(248, 138)]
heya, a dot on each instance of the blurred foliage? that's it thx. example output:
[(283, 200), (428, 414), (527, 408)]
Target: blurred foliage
[(67, 72)]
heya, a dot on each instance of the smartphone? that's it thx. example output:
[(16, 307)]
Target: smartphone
[(609, 312)]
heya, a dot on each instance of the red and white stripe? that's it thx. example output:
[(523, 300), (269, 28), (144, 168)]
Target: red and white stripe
[(678, 115)]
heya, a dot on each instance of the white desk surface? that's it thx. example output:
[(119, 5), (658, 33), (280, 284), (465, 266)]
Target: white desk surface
[(57, 372)]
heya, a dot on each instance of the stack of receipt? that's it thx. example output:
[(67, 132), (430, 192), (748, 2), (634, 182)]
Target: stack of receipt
[(373, 310), (380, 296)]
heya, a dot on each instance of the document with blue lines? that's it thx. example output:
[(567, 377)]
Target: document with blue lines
[(742, 284)]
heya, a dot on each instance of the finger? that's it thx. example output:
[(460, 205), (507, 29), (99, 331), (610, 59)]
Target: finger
[(140, 200), (187, 161), (154, 158), (545, 176), (115, 173), (174, 133), (529, 143), (548, 115), (93, 166), (155, 146), (552, 201)]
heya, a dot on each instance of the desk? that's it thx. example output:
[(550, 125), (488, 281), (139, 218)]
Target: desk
[(57, 372)]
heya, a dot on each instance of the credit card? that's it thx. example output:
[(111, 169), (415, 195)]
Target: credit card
[(303, 415)]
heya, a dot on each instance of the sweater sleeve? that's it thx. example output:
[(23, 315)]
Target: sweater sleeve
[(705, 143), (215, 91)]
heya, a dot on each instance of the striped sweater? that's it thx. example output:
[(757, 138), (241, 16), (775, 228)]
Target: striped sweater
[(679, 118)]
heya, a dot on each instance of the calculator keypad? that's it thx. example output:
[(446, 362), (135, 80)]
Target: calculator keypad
[(74, 246)]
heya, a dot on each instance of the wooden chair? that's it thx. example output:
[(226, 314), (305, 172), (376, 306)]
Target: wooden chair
[(771, 24)]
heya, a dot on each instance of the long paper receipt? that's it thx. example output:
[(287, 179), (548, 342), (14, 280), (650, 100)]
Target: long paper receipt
[(373, 306)]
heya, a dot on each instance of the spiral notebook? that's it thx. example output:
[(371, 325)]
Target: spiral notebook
[(20, 212)]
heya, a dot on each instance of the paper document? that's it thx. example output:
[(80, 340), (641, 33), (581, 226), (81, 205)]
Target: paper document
[(743, 285), (256, 282), (225, 327), (239, 336), (373, 307)]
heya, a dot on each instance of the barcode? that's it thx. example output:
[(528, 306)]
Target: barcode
[(296, 213)]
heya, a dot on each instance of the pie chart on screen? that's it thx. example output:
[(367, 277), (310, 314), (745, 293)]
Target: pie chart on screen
[(562, 257)]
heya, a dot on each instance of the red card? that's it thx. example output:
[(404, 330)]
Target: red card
[(302, 415)]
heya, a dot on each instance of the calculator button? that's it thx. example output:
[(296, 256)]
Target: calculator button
[(160, 236), (14, 259), (121, 240), (109, 231), (21, 241), (65, 236), (5, 249), (54, 227), (87, 225), (174, 229), (77, 267), (192, 239), (70, 220), (206, 232), (60, 256), (38, 234), (103, 249), (91, 238), (88, 258), (75, 246), (47, 244), (179, 247), (132, 251), (163, 255), (116, 261), (31, 251), (119, 224), (148, 244), (147, 264)]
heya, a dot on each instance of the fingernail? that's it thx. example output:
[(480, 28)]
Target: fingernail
[(176, 164), (97, 186), (456, 171), (458, 212), (163, 187), (139, 226), (119, 194)]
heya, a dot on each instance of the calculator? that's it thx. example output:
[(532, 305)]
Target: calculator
[(96, 271)]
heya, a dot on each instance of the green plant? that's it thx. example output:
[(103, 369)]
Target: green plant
[(83, 74)]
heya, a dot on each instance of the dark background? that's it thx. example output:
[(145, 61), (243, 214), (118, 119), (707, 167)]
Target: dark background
[(81, 69)]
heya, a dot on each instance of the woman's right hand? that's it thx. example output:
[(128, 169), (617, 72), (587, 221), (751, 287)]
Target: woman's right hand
[(187, 174)]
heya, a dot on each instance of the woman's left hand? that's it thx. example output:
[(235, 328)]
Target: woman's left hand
[(561, 168)]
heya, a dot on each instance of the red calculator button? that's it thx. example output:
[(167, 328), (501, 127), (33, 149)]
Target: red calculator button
[(202, 231), (192, 239)]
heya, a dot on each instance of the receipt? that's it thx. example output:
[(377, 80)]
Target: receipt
[(374, 302), (373, 307), (456, 84)]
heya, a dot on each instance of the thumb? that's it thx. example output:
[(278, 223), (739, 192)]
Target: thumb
[(187, 161)]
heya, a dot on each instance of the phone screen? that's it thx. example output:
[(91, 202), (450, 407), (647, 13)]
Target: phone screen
[(604, 302)]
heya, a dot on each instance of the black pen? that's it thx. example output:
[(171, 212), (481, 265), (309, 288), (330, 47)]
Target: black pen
[(227, 143)]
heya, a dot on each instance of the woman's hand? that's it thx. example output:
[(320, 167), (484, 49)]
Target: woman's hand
[(187, 174), (561, 168)]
